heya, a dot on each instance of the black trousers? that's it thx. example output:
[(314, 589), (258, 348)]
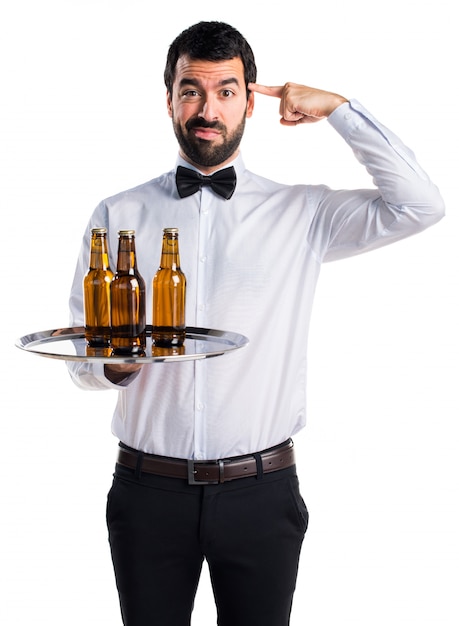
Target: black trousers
[(249, 530)]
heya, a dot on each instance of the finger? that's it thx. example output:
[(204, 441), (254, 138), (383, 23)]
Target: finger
[(306, 119), (275, 92)]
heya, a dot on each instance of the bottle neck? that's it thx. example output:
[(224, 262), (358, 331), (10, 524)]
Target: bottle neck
[(99, 253), (126, 255), (170, 258)]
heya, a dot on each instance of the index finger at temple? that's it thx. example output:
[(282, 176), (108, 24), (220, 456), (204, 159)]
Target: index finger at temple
[(275, 92)]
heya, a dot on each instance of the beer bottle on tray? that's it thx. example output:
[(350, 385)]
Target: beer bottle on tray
[(169, 290), (96, 289), (127, 300)]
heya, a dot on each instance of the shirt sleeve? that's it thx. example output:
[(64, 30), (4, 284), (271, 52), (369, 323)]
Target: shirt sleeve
[(404, 202)]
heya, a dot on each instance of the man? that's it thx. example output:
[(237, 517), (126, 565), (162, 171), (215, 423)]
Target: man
[(206, 467)]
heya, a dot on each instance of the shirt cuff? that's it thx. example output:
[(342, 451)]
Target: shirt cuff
[(90, 376), (347, 118)]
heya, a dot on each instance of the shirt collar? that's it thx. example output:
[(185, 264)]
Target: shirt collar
[(237, 163)]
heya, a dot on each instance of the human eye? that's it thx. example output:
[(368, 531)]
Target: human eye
[(227, 93), (190, 93)]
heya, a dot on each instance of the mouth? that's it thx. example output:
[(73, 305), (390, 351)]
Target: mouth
[(203, 129), (205, 133)]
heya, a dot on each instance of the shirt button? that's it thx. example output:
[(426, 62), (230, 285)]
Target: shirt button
[(203, 259), (199, 406), (347, 116), (202, 307)]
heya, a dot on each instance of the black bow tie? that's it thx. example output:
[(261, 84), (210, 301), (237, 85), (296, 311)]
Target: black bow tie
[(189, 181)]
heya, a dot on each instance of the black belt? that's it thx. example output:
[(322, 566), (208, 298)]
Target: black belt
[(210, 472)]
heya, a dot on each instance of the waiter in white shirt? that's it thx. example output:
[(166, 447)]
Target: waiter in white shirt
[(206, 466)]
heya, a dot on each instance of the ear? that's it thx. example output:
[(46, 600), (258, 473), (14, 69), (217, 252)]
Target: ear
[(250, 105), (169, 104)]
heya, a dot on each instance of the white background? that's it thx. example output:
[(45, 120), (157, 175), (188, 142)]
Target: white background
[(82, 117)]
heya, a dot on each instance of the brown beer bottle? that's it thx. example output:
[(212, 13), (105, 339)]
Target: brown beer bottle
[(96, 289), (169, 289), (128, 300)]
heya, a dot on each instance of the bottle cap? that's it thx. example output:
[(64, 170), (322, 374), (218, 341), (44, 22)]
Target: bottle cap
[(98, 231), (171, 231), (126, 233)]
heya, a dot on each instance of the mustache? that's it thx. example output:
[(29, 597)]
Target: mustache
[(200, 122)]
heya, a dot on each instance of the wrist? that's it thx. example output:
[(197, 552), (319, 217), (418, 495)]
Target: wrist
[(336, 102)]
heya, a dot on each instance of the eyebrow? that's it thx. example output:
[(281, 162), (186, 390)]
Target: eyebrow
[(196, 83)]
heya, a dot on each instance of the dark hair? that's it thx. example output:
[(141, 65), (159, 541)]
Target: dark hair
[(210, 41)]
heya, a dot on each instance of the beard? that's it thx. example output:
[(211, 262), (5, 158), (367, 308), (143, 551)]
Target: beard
[(203, 152)]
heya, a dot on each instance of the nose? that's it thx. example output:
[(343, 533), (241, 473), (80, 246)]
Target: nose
[(209, 109)]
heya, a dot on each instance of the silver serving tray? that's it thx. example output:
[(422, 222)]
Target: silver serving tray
[(69, 344)]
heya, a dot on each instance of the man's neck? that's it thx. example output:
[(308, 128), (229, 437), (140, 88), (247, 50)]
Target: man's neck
[(208, 170)]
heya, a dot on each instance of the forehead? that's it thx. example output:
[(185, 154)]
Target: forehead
[(209, 71)]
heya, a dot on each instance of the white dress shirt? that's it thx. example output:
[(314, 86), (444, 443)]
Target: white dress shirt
[(252, 263)]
